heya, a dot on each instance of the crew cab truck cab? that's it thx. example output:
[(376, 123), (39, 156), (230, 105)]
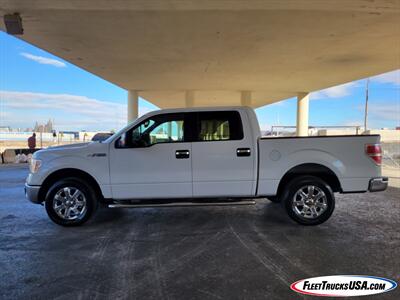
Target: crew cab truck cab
[(204, 153)]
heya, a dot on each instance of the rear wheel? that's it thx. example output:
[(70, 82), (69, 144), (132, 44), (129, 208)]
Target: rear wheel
[(70, 202), (309, 200)]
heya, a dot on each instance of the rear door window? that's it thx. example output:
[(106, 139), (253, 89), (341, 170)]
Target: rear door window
[(218, 126)]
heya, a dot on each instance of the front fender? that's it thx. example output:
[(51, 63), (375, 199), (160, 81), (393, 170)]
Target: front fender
[(97, 167)]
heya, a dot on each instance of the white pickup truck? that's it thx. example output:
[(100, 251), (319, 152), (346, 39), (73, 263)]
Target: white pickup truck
[(201, 153)]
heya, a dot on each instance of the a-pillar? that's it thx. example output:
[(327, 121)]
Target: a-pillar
[(302, 114)]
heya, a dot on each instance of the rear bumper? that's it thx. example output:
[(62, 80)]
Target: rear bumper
[(32, 193), (378, 184)]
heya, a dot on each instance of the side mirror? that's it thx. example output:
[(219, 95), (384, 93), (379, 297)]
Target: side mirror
[(121, 142)]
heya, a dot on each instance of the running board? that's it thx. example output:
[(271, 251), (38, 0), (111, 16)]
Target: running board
[(182, 204)]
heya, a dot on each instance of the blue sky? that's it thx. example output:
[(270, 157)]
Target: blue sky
[(37, 86)]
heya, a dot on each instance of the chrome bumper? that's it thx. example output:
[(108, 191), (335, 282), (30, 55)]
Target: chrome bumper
[(378, 184), (32, 193)]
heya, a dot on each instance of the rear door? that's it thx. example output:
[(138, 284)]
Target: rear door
[(223, 155)]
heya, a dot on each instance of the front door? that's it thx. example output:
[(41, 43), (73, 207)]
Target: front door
[(152, 160)]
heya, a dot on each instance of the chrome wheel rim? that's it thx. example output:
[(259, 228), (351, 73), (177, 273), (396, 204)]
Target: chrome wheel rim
[(69, 203), (309, 202)]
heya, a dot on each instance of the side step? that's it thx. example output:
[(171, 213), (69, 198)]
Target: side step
[(181, 204)]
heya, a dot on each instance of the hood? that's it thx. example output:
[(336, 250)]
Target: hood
[(80, 149), (61, 147)]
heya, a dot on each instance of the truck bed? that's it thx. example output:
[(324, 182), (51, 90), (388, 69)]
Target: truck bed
[(344, 155)]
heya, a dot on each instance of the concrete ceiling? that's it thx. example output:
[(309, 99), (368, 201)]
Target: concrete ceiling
[(217, 49)]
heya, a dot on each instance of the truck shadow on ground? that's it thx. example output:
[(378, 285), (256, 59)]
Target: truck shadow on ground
[(273, 213)]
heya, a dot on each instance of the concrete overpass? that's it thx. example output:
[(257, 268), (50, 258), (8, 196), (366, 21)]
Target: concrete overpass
[(203, 53)]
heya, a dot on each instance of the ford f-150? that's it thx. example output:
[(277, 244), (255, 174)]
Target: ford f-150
[(200, 153)]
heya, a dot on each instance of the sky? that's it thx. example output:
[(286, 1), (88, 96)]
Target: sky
[(38, 86)]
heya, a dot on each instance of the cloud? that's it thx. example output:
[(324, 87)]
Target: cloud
[(390, 77), (66, 102), (44, 60), (385, 111), (69, 111), (348, 88), (335, 92)]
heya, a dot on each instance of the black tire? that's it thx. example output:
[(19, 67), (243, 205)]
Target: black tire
[(274, 199), (312, 206), (72, 184)]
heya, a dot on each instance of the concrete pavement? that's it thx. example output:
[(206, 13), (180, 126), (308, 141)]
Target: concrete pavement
[(246, 252), (394, 176)]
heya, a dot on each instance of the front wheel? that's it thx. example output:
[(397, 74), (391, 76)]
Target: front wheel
[(70, 202), (309, 200)]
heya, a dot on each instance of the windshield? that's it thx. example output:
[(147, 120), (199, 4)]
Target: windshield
[(125, 128)]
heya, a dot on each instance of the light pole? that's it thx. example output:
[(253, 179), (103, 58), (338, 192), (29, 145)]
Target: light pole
[(366, 107)]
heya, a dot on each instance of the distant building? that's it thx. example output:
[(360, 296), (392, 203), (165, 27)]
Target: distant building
[(5, 129), (48, 127)]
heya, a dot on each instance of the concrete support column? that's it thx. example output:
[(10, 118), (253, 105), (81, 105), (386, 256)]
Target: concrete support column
[(189, 98), (133, 105), (245, 98), (302, 114)]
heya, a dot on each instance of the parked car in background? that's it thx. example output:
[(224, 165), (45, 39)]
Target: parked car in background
[(101, 136), (204, 153)]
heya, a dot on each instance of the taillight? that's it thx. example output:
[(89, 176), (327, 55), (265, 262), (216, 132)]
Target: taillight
[(374, 151)]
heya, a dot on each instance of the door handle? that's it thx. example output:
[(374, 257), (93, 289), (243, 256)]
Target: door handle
[(181, 154), (243, 152)]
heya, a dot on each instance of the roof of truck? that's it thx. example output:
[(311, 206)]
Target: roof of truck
[(194, 109)]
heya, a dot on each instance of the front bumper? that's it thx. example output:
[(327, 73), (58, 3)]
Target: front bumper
[(378, 184), (32, 193)]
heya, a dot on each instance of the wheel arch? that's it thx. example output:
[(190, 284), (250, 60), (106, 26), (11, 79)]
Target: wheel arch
[(312, 169), (70, 172)]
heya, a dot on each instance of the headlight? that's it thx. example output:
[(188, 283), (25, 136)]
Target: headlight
[(35, 165)]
